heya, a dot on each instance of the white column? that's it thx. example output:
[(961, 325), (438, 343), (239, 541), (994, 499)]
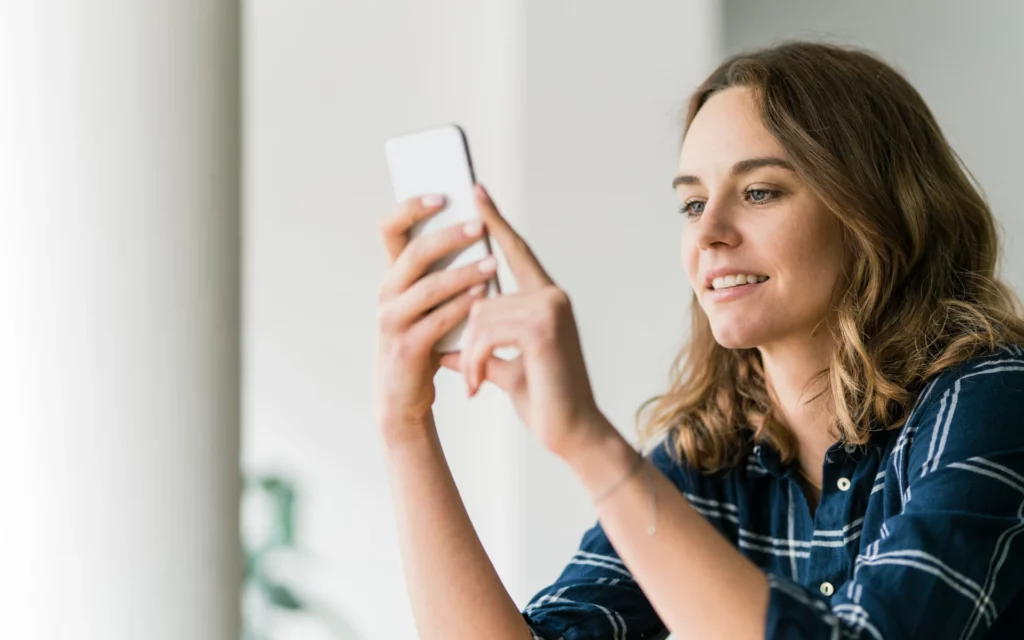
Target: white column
[(119, 319)]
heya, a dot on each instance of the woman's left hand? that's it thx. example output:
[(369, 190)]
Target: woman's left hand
[(548, 381)]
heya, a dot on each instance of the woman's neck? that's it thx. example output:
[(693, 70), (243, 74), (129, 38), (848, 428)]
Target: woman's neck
[(789, 369)]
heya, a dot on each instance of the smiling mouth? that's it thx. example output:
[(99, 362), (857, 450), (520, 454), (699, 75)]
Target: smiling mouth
[(733, 282)]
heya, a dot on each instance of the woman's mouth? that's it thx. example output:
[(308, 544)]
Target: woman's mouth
[(738, 280), (731, 287)]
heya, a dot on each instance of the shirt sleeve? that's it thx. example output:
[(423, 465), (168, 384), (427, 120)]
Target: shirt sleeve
[(596, 597), (951, 556)]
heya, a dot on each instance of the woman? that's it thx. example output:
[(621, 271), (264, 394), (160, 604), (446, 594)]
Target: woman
[(841, 452)]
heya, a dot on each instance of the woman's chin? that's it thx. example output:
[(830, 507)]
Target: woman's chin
[(737, 337)]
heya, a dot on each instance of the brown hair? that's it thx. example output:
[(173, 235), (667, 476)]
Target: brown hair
[(919, 293)]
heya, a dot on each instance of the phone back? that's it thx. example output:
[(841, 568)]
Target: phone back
[(437, 160)]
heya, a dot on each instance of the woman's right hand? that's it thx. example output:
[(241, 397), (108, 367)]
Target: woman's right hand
[(408, 324)]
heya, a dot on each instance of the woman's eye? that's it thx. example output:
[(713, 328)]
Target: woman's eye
[(761, 195), (692, 208)]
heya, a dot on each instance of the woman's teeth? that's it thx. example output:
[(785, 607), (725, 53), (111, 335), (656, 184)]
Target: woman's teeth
[(725, 282)]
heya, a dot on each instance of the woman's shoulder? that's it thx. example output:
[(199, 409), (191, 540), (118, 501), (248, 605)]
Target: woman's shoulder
[(970, 409), (995, 376), (667, 457)]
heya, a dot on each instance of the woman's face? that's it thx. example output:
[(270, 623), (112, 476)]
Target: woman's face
[(746, 213)]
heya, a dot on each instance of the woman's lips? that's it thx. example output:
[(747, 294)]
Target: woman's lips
[(732, 293)]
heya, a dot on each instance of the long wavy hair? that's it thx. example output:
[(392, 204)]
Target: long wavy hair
[(919, 292)]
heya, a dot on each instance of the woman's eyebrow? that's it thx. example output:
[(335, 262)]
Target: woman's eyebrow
[(741, 167)]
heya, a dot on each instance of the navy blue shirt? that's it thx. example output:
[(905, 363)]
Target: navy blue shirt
[(919, 534)]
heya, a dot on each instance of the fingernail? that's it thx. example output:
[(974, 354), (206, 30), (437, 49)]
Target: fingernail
[(482, 193), (432, 200), (488, 264), (473, 228), (477, 289)]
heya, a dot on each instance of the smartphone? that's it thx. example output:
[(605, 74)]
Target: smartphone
[(437, 160)]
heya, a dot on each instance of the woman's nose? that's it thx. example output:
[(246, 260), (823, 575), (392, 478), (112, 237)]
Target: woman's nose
[(715, 227)]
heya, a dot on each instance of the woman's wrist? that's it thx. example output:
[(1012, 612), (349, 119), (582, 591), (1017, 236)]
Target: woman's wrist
[(399, 430), (601, 457), (588, 431)]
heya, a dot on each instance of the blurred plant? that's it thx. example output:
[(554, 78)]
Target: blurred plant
[(262, 592)]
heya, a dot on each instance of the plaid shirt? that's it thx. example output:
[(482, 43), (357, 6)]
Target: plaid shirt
[(917, 535)]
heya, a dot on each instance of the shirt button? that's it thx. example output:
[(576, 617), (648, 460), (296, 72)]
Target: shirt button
[(827, 588), (843, 484), (850, 448)]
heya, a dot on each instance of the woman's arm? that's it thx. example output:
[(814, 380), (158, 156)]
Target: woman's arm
[(453, 587), (698, 583)]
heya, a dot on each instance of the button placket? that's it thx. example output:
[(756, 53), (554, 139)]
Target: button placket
[(830, 517)]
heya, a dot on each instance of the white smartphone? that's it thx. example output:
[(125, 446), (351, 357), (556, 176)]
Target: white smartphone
[(436, 160)]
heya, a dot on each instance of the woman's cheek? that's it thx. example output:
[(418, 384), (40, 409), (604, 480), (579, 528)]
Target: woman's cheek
[(690, 260)]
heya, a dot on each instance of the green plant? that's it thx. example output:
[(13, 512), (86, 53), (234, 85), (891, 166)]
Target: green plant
[(262, 592)]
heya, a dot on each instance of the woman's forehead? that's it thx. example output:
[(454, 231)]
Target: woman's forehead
[(726, 130)]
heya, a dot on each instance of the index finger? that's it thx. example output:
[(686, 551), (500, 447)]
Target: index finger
[(529, 273), (394, 229)]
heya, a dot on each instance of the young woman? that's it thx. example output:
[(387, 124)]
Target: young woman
[(841, 453)]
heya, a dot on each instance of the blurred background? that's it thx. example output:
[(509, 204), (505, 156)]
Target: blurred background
[(190, 196)]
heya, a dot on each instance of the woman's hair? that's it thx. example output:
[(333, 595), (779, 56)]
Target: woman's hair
[(919, 292)]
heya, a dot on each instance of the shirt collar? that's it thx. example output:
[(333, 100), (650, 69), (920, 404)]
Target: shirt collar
[(768, 456)]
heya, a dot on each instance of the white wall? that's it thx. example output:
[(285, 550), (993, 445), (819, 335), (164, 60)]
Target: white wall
[(570, 111), (119, 330), (964, 59)]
